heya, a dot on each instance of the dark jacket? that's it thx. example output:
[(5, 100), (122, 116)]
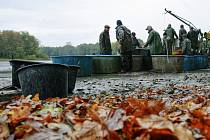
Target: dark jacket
[(182, 31), (123, 36), (135, 43), (104, 41), (170, 32), (193, 37), (154, 42)]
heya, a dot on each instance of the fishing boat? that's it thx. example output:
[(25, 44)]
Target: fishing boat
[(142, 61)]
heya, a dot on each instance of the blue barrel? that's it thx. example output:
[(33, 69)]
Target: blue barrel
[(84, 61), (198, 61), (188, 63), (204, 61)]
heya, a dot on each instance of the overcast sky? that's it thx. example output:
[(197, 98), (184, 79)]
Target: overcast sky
[(55, 22)]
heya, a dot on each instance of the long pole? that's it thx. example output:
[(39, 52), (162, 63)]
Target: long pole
[(181, 19)]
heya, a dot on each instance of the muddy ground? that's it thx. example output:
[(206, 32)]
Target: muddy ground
[(129, 83), (132, 82)]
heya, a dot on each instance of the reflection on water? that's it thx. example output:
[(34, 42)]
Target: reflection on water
[(5, 65), (6, 72)]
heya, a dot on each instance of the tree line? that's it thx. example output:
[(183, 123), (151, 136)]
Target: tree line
[(22, 45), (82, 49), (19, 45)]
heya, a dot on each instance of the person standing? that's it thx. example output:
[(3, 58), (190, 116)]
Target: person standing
[(193, 37), (135, 42), (182, 32), (123, 36), (104, 42), (186, 45), (153, 41), (164, 43), (171, 33)]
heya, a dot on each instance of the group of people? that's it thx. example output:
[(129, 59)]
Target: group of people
[(128, 42), (188, 41)]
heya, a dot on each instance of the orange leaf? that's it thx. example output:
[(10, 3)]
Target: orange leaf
[(198, 114), (19, 114), (21, 130), (36, 97), (162, 134), (94, 107), (94, 116)]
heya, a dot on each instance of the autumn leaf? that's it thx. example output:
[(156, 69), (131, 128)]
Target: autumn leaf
[(19, 114), (21, 130), (4, 131), (36, 97), (94, 116), (162, 134)]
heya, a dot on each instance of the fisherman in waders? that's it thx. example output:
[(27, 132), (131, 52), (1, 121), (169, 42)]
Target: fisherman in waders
[(170, 32), (182, 32), (186, 45), (193, 37), (164, 44), (123, 36), (104, 42), (154, 41)]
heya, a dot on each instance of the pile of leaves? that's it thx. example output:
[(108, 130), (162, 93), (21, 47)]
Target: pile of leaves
[(107, 117)]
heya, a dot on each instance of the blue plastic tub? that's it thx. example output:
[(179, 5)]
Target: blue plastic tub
[(198, 61), (84, 61), (189, 64), (201, 61), (204, 62)]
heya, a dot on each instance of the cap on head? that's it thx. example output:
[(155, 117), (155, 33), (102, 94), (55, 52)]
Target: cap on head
[(149, 28), (107, 26), (181, 26), (169, 25), (119, 22), (133, 33)]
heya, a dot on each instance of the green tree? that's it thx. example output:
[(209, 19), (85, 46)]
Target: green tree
[(19, 45)]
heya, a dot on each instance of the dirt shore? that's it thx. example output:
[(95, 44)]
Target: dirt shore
[(129, 82)]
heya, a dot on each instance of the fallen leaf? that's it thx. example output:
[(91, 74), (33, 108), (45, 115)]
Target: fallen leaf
[(4, 131)]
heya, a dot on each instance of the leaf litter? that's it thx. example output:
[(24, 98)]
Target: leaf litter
[(174, 112)]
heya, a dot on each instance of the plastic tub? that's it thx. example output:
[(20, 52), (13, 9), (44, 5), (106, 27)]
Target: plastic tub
[(189, 63), (16, 64), (137, 63), (106, 64), (49, 80), (72, 75), (170, 63), (204, 62), (84, 61), (147, 59)]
